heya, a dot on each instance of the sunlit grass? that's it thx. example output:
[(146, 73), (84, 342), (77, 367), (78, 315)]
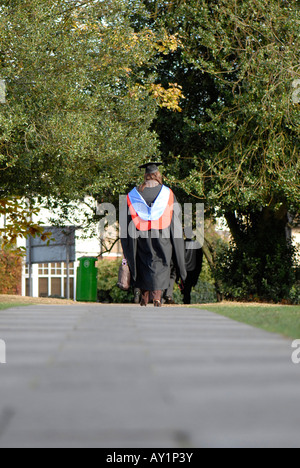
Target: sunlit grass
[(4, 306), (284, 320)]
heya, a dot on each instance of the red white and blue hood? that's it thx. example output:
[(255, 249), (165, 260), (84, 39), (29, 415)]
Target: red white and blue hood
[(157, 216)]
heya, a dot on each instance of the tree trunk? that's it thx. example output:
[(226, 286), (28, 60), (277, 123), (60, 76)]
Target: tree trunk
[(262, 259)]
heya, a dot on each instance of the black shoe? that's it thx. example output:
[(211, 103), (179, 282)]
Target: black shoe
[(169, 300), (157, 304), (137, 298)]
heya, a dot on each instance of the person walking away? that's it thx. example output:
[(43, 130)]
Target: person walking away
[(154, 236), (194, 262)]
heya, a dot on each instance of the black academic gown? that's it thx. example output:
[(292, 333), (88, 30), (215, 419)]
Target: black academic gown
[(149, 253), (194, 261)]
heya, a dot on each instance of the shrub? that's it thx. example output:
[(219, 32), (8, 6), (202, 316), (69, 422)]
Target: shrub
[(246, 277), (108, 291), (294, 296), (10, 272), (204, 292)]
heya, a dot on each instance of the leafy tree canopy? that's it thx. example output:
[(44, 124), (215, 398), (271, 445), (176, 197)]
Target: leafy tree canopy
[(79, 104), (79, 101), (236, 143), (238, 66)]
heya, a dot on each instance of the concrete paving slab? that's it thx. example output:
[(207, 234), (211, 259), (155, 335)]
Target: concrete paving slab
[(126, 377)]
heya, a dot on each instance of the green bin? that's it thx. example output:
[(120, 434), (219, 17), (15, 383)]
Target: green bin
[(86, 290)]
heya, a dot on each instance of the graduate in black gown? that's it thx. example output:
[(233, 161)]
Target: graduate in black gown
[(154, 236)]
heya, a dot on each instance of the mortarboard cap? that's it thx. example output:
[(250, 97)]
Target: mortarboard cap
[(151, 167)]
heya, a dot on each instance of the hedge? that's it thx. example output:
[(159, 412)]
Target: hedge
[(10, 273)]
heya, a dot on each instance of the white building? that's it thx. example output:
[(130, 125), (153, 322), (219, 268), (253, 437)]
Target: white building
[(50, 279), (296, 236), (296, 240)]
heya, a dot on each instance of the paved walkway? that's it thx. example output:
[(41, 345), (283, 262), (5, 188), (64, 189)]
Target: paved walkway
[(103, 376)]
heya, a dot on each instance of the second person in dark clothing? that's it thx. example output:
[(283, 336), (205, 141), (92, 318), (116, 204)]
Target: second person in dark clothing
[(194, 262)]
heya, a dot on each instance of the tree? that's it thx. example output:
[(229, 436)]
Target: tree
[(79, 103), (18, 223), (68, 103), (236, 143)]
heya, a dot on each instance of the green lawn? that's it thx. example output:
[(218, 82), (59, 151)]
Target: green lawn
[(284, 320), (4, 305)]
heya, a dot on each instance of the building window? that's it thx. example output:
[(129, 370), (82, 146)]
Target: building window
[(27, 287), (43, 269), (51, 279), (56, 269), (71, 268), (71, 287), (43, 287), (56, 287)]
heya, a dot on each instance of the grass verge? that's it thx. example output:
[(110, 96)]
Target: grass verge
[(4, 305), (18, 300), (284, 320)]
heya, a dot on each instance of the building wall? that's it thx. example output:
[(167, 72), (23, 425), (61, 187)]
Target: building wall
[(50, 279)]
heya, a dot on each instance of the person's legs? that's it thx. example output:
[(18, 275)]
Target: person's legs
[(187, 294), (145, 298), (137, 296), (148, 296), (168, 295), (156, 295), (187, 291)]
